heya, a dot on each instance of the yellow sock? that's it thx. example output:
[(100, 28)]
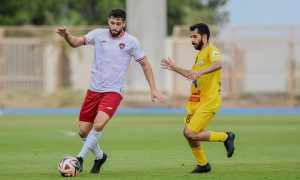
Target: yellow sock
[(199, 155), (218, 136)]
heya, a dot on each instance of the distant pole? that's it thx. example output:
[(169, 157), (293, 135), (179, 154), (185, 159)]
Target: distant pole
[(147, 20), (291, 78)]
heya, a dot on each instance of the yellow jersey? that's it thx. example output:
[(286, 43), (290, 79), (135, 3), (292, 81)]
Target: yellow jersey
[(206, 90)]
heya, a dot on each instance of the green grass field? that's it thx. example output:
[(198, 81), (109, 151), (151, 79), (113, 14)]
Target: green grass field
[(151, 147)]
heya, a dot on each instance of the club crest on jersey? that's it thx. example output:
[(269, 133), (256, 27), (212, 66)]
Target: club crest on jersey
[(121, 45)]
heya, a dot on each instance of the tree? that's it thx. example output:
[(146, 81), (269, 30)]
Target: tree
[(91, 12), (21, 12), (194, 11), (56, 12)]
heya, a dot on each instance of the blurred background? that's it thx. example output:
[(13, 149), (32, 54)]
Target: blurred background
[(259, 40)]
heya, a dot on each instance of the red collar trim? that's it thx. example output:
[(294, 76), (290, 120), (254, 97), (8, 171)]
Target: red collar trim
[(118, 37)]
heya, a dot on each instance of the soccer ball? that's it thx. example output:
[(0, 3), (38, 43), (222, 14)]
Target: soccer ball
[(69, 166)]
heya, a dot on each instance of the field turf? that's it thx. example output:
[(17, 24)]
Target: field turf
[(151, 147)]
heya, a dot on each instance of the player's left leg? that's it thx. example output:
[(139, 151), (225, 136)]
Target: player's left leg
[(94, 135), (107, 108), (84, 129), (97, 164)]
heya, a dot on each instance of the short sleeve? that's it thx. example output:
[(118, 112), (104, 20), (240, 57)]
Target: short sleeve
[(137, 52), (215, 55), (89, 38)]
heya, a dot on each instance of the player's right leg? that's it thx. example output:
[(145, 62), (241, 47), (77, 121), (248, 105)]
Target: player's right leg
[(189, 132), (203, 166), (84, 129)]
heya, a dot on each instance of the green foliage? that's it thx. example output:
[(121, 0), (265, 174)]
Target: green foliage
[(195, 11), (175, 14), (82, 12), (56, 12)]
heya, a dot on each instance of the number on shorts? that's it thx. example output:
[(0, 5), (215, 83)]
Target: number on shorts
[(188, 118)]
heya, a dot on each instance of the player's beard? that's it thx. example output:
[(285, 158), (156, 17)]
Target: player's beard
[(199, 45), (115, 33)]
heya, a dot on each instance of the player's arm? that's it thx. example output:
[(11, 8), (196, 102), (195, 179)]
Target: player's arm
[(192, 75), (71, 40), (150, 78), (168, 64)]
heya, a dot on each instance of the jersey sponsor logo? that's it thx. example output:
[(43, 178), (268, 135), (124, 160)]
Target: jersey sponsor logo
[(110, 108), (121, 45), (103, 41), (198, 92), (194, 99)]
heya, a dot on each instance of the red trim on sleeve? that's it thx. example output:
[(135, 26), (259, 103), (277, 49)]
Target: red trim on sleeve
[(138, 60), (84, 40)]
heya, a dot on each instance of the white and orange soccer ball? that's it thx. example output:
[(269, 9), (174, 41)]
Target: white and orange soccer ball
[(69, 166)]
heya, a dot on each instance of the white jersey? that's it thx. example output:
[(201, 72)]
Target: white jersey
[(111, 59)]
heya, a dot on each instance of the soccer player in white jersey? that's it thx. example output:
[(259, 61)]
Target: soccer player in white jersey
[(113, 51)]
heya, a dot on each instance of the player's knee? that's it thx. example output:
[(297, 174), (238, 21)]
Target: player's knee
[(83, 133), (189, 135), (98, 126)]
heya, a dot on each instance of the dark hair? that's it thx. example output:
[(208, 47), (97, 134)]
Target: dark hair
[(118, 13), (202, 29)]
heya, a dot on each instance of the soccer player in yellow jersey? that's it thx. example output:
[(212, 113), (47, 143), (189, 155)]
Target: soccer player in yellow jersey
[(205, 96)]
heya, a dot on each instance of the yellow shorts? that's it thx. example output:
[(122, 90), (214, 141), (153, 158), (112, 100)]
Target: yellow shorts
[(199, 120)]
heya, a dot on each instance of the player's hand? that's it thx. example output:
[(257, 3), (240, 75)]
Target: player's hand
[(62, 32), (167, 64), (193, 75), (157, 95)]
